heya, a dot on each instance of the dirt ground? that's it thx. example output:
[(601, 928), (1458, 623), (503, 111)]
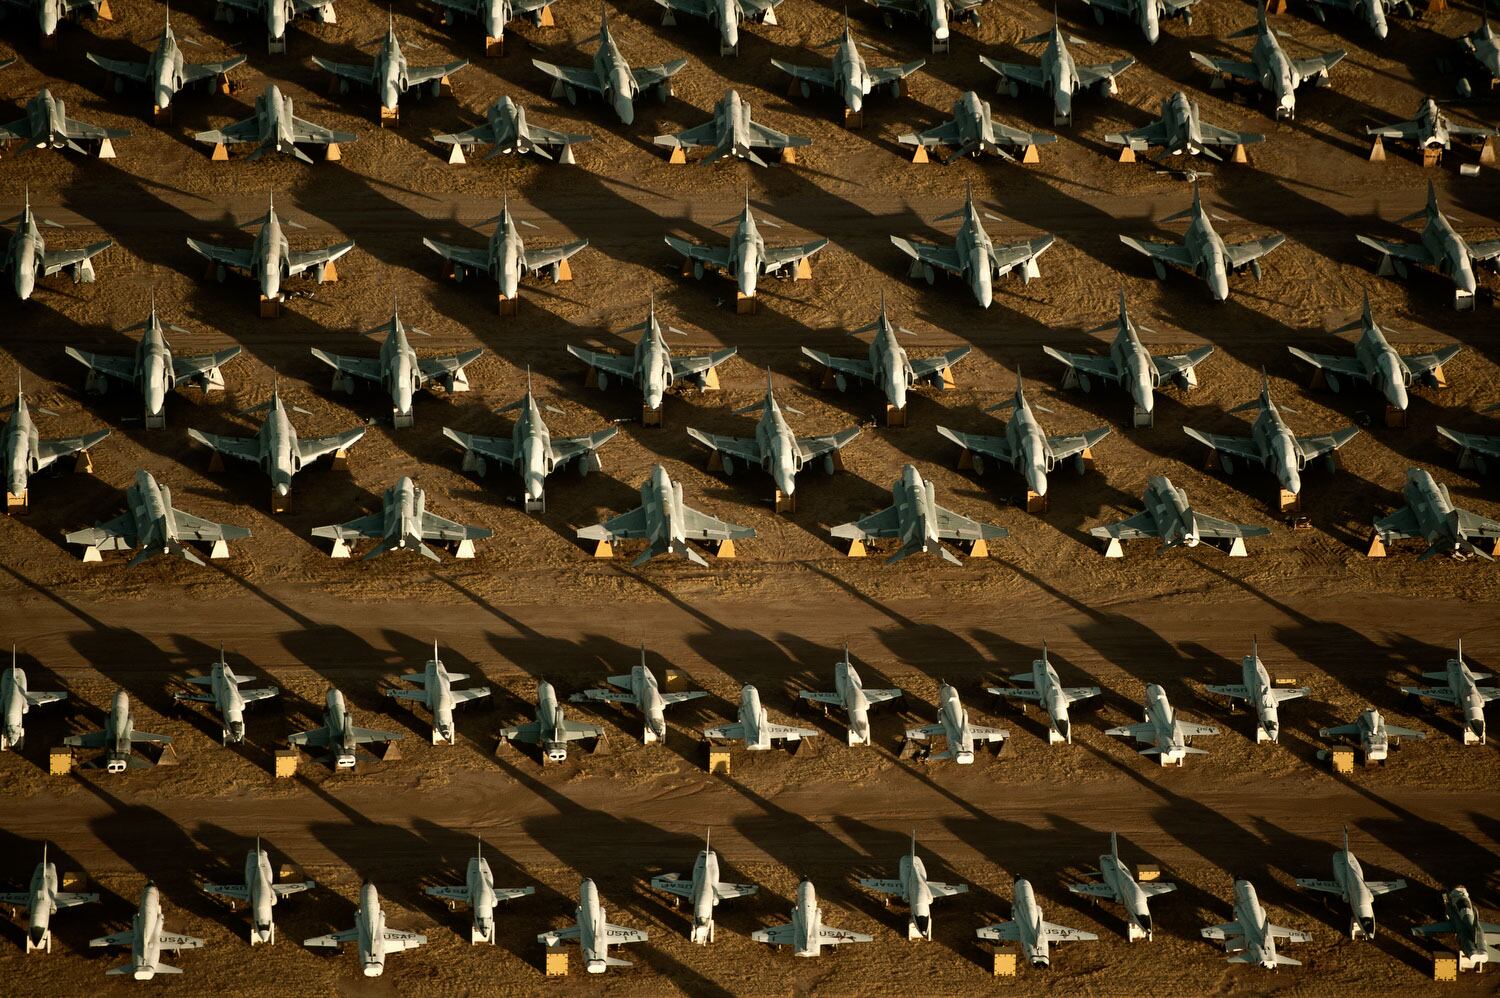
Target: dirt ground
[(534, 604)]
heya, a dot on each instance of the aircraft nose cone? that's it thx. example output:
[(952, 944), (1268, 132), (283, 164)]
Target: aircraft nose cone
[(1293, 482), (625, 110), (1218, 285), (37, 933), (1367, 926), (236, 731), (923, 923)]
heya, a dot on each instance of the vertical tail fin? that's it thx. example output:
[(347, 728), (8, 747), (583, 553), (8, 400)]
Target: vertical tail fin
[(1114, 844)]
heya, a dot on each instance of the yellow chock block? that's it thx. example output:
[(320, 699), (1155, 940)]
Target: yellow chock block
[(803, 270), (556, 959), (1376, 548), (650, 417), (220, 153), (854, 119), (509, 306), (783, 503), (59, 760), (1289, 502), (1035, 503), (979, 549), (1342, 760), (1377, 151), (718, 760), (1030, 155), (677, 156), (1147, 872), (1487, 154), (966, 460), (1432, 156), (674, 680), (726, 549), (746, 304), (494, 48), (1239, 155), (270, 308), (285, 763), (603, 549), (332, 153), (920, 155), (544, 18), (1004, 964), (1127, 154), (564, 271), (857, 548), (788, 155), (389, 116), (895, 416)]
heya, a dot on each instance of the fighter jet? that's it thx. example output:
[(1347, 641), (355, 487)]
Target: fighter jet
[(887, 364), (28, 260), (47, 126), (531, 449), (1475, 939), (775, 447), (269, 260), (1462, 690), (152, 526), (1117, 884), (1182, 131), (50, 13), (1259, 695), (611, 77), (704, 890), (153, 370), (1047, 690), (1474, 449), (1147, 14), (665, 522), (1376, 363), (731, 133), (747, 256), (339, 734), (375, 940), (1057, 73), (806, 933), (494, 15), (755, 728), (1170, 738), (276, 446), (1439, 247), (507, 131), (954, 727), (25, 452), (277, 15), (651, 365), (1203, 251), (725, 15), (1431, 128), (1374, 734), (594, 933), (398, 369), (939, 15), (551, 730), (918, 521), (1130, 365), (973, 256), (973, 130), (147, 937), (639, 689), (42, 900), (1025, 447), (1027, 927), (1252, 936), (479, 892), (1429, 513), (1483, 47), (1350, 884), (16, 701), (506, 258), (1170, 516), (850, 694), (1271, 68), (847, 74), (438, 695), (913, 887), (390, 75), (228, 699), (260, 892), (166, 72), (403, 524), (117, 737), (275, 128)]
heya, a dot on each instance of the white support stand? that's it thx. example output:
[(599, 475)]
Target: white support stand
[(1134, 933), (91, 554), (465, 549), (403, 420), (219, 550), (1113, 548), (456, 155), (1237, 548), (340, 549), (1141, 418)]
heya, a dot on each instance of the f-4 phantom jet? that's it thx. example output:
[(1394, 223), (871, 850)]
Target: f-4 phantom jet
[(1203, 251), (1439, 247), (340, 735), (507, 131), (848, 76), (274, 128), (611, 77), (47, 126), (732, 134), (666, 523), (399, 371), (152, 526), (28, 260), (166, 72), (973, 256), (747, 256), (118, 738), (25, 452), (954, 728), (551, 730), (725, 15), (1270, 68), (494, 15), (228, 699), (50, 14), (506, 258), (651, 366), (915, 518), (1146, 14), (277, 15), (1181, 131), (269, 260), (403, 524), (390, 75), (703, 890), (939, 15), (639, 689), (1430, 129), (43, 899), (1057, 74), (849, 694), (1429, 513), (1462, 691), (973, 130), (1170, 516)]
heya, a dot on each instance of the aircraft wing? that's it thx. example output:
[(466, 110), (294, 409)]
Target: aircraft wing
[(1190, 730), (309, 131), (726, 732), (725, 892), (1432, 929), (1399, 525), (359, 74), (946, 134), (573, 76), (1154, 134), (316, 447), (360, 367), (438, 528), (171, 940), (1098, 890), (196, 528), (1326, 886), (565, 449), (240, 259), (137, 71), (928, 366), (819, 75), (1472, 441), (1314, 65), (1114, 6), (193, 72), (1068, 446), (55, 260), (68, 899), (890, 74), (1143, 731), (941, 890), (536, 259), (1415, 252), (886, 523), (92, 739), (1421, 363), (1378, 887), (828, 698), (715, 256), (241, 448), (780, 256), (1243, 447), (146, 736), (333, 938), (1213, 135), (364, 526), (956, 526), (1062, 934), (1325, 443), (683, 366), (858, 367), (474, 259), (39, 697), (1006, 258), (829, 936), (572, 731), (943, 257), (706, 134), (1134, 528), (1090, 75), (1347, 367), (1473, 523), (1290, 935), (50, 450), (76, 129), (300, 260), (121, 527), (704, 527), (120, 368), (187, 368), (620, 935), (780, 935), (1029, 75), (1486, 250), (650, 76), (772, 730), (818, 446), (1229, 67), (1224, 931), (460, 893), (673, 884), (988, 734), (1397, 130), (547, 137), (417, 75), (1174, 253), (744, 448), (1440, 693), (364, 736), (1008, 932), (617, 364), (763, 137), (1098, 366), (627, 525), (436, 367), (668, 699), (1214, 528), (1239, 692), (529, 732), (1253, 249)]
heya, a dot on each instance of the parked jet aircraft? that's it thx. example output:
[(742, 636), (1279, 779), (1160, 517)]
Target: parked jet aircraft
[(1430, 128), (1474, 448), (438, 695), (269, 260), (918, 521), (147, 937), (651, 366), (228, 699), (47, 126), (956, 730), (747, 256), (43, 899), (506, 130), (887, 365), (152, 526), (849, 693), (16, 701), (50, 14), (1475, 939), (1440, 247), (847, 75), (1483, 47), (703, 890), (277, 15), (665, 522), (398, 369), (1181, 130), (260, 893), (594, 932), (1203, 251), (1252, 936), (339, 734), (551, 730), (1047, 690), (117, 738), (166, 71), (1259, 694), (479, 892), (754, 727), (1147, 14), (1462, 691), (806, 933), (1374, 734), (494, 15), (973, 256), (1028, 928), (1350, 884), (731, 132), (274, 127), (1429, 513), (403, 524), (1170, 516), (1169, 737), (640, 690), (389, 74), (375, 940), (1373, 13), (725, 15), (28, 260), (916, 891), (24, 450), (1057, 74), (611, 77), (1271, 68), (1116, 883), (939, 15), (506, 258), (973, 130)]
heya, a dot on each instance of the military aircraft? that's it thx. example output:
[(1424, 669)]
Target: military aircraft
[(806, 933), (269, 260), (551, 730), (399, 370), (640, 690), (1474, 448), (1439, 247), (494, 15), (403, 524), (260, 893), (732, 133), (1476, 939), (747, 256), (1350, 884), (973, 130), (1430, 128), (1429, 513), (913, 887), (593, 931), (166, 72), (228, 699), (887, 365), (375, 939), (1170, 516), (850, 694), (51, 13), (274, 128), (611, 77), (703, 890), (1484, 48), (847, 75), (25, 452), (43, 899), (438, 695), (47, 126), (479, 892), (939, 15), (1376, 363), (339, 734), (1272, 444), (16, 701), (1147, 14), (276, 446), (725, 15), (147, 937), (1203, 251), (1375, 736), (665, 522), (1259, 694), (1057, 73), (919, 522), (390, 75), (507, 131), (1462, 690), (954, 727), (1116, 883), (28, 259), (755, 728), (651, 365), (1252, 936), (1181, 131), (1047, 690), (973, 256), (1170, 738), (1372, 12), (1025, 447), (117, 738), (1028, 928), (153, 526), (506, 258), (1271, 68), (277, 15)]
